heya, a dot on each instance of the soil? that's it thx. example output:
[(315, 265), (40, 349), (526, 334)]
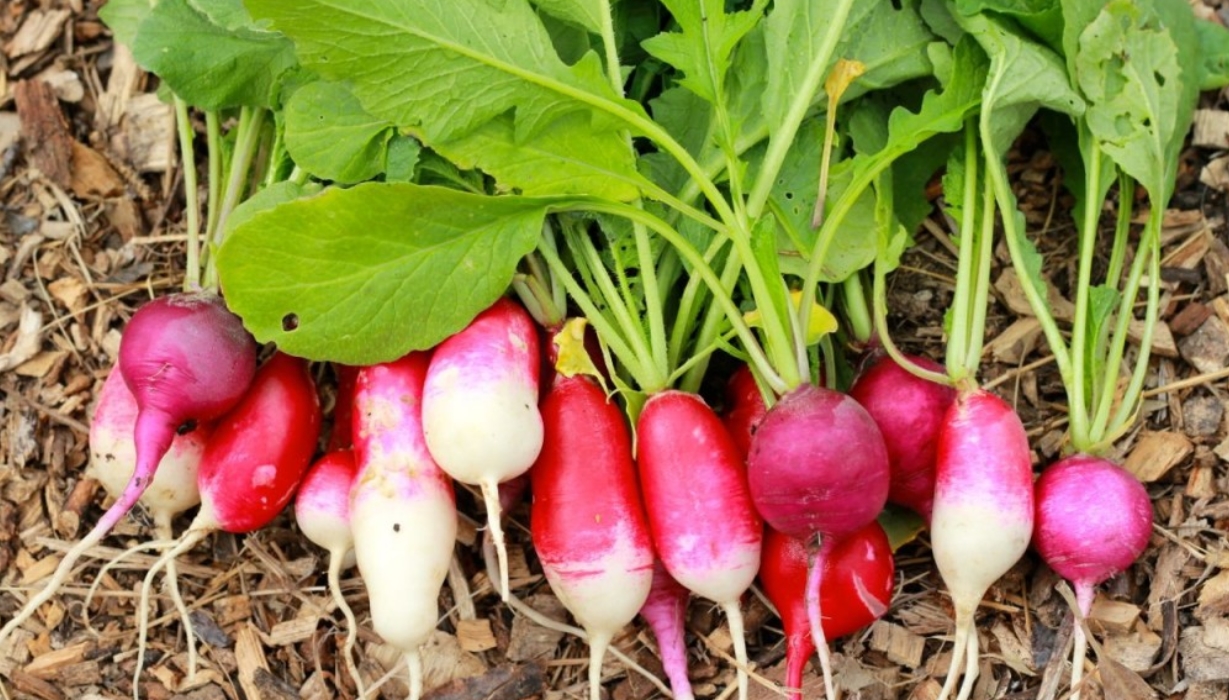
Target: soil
[(91, 221)]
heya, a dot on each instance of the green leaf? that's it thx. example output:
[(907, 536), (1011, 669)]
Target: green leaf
[(1102, 302), (366, 274), (1214, 45), (586, 14), (329, 135), (1028, 253), (568, 158), (687, 118), (1044, 18), (268, 198), (124, 17), (701, 51), (402, 158), (445, 66), (209, 65)]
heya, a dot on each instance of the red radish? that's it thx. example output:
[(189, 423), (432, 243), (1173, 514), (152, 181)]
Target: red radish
[(588, 525), (983, 511), (1093, 519), (858, 579), (745, 408), (402, 508), (664, 611), (909, 411), (252, 463), (186, 359), (339, 437), (704, 525), (322, 511), (480, 407), (818, 469)]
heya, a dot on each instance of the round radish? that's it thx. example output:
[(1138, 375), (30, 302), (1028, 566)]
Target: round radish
[(983, 511), (480, 407), (745, 408), (1093, 520), (704, 525), (909, 411), (587, 521), (664, 610)]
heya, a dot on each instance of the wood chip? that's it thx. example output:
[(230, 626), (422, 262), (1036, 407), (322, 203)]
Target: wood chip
[(899, 644), (1190, 318), (475, 635), (1210, 129), (1016, 342), (1156, 453), (530, 642), (1208, 347), (149, 134), (37, 32), (29, 339), (49, 145), (92, 175), (501, 683), (444, 661), (1214, 597), (1112, 616), (39, 688), (46, 666), (1201, 662), (1136, 650), (1162, 339), (250, 656)]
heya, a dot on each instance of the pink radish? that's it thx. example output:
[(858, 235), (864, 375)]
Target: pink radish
[(857, 587), (252, 463), (402, 508), (1093, 519), (588, 525), (343, 423), (665, 612), (704, 525), (322, 511), (909, 411), (186, 359), (745, 408), (480, 407), (818, 469), (983, 511)]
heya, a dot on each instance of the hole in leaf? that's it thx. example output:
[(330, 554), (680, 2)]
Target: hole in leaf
[(290, 322), (1160, 79)]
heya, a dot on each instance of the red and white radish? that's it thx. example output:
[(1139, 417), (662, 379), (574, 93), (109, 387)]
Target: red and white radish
[(818, 470), (858, 579), (745, 408), (402, 508), (704, 525), (322, 512), (909, 411), (587, 521), (186, 358), (664, 610), (252, 463), (343, 408), (480, 407), (1093, 519), (983, 511)]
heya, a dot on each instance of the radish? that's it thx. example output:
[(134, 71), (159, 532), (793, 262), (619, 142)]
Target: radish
[(402, 508), (664, 610), (983, 511), (858, 578), (704, 525), (909, 411), (587, 521), (745, 408), (1093, 519), (251, 465), (480, 407), (186, 359), (818, 470), (322, 511), (339, 437)]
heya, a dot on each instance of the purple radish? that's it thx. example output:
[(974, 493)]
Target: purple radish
[(480, 407), (322, 511), (186, 359), (1093, 520), (983, 512), (909, 411), (664, 611), (818, 470)]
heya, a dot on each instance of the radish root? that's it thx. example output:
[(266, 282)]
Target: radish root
[(490, 495), (964, 623), (190, 539), (335, 562), (413, 661), (735, 617), (162, 528)]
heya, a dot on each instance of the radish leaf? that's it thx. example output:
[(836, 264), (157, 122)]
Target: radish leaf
[(330, 135)]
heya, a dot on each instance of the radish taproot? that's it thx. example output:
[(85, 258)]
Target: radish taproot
[(251, 465), (322, 512), (704, 525), (1093, 520), (818, 470), (665, 610), (186, 359), (402, 508), (587, 521), (858, 579), (909, 411), (480, 407), (983, 511)]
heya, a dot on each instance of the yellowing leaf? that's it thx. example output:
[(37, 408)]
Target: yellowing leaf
[(820, 323), (840, 78), (573, 357)]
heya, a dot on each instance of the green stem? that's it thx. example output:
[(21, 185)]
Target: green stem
[(861, 325), (958, 338), (192, 199), (981, 288), (1129, 408), (1122, 229), (1078, 409), (711, 326), (686, 314), (213, 138), (880, 306)]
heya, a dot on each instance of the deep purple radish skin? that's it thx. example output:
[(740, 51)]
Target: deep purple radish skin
[(909, 411), (665, 612)]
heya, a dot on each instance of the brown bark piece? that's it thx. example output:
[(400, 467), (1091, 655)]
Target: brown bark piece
[(1156, 453), (500, 683), (1216, 263), (529, 641), (251, 658), (1210, 129), (1207, 349), (1190, 318), (897, 643), (475, 635), (49, 144), (32, 685), (1112, 616), (47, 666), (1201, 661), (1207, 691), (1016, 341), (1214, 596), (92, 174), (37, 32)]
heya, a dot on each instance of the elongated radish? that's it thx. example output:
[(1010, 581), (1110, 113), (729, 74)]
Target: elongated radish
[(704, 525), (665, 610), (858, 579), (402, 508), (818, 470), (745, 408), (480, 407), (322, 511), (909, 411), (983, 511), (186, 359), (252, 463), (1093, 519), (587, 521), (343, 408)]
